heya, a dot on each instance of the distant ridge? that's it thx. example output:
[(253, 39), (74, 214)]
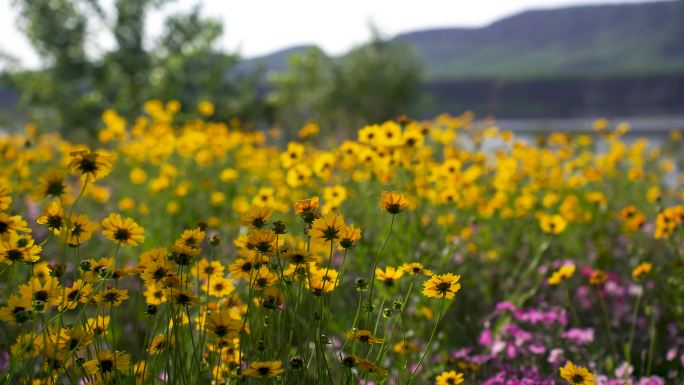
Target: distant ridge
[(641, 38), (581, 41)]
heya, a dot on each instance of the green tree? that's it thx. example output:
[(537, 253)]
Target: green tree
[(75, 87), (373, 82)]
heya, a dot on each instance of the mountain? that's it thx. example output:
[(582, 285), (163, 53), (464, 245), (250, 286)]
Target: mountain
[(582, 41), (275, 61)]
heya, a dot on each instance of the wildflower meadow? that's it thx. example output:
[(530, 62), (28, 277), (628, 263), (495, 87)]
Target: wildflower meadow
[(195, 251)]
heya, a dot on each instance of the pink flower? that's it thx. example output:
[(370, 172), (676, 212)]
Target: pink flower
[(579, 336)]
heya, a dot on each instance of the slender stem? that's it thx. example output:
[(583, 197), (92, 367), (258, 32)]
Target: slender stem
[(375, 265), (632, 330), (427, 347)]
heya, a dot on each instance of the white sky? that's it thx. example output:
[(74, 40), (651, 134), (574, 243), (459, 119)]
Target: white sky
[(257, 27)]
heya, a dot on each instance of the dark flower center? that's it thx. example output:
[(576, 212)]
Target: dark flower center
[(263, 371), (122, 235), (41, 295), (87, 166), (111, 297), (14, 255), (107, 365), (54, 222), (159, 273), (183, 299), (3, 227), (55, 188), (221, 330), (443, 287), (73, 295)]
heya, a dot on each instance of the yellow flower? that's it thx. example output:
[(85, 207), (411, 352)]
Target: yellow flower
[(52, 184), (577, 375), (111, 297), (77, 293), (641, 269), (17, 247), (415, 268), (257, 217), (48, 294), (264, 369), (12, 223), (81, 229), (393, 202), (223, 324), (327, 228), (124, 231), (363, 336), (206, 108), (161, 344), (442, 286), (449, 378), (264, 278), (18, 310), (138, 176), (218, 287), (261, 241), (53, 217), (307, 209), (598, 277), (349, 236), (404, 347), (107, 363), (552, 224), (564, 272), (91, 165), (389, 276)]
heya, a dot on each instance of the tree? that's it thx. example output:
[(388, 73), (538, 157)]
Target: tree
[(373, 82), (76, 86)]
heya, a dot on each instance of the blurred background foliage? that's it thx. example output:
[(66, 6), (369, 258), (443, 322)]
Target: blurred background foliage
[(373, 82)]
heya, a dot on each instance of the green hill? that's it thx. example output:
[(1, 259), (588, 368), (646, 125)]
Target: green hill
[(603, 40)]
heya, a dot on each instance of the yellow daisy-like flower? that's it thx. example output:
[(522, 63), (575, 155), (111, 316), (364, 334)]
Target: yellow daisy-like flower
[(307, 209), (349, 236), (52, 184), (17, 247), (641, 269), (124, 231), (264, 369), (91, 165), (53, 217), (223, 324), (388, 276), (442, 286), (218, 287), (48, 293), (394, 202), (257, 217), (552, 224), (77, 293), (449, 378), (577, 375), (191, 238), (12, 223), (415, 268), (327, 228), (18, 310), (111, 297), (363, 336), (564, 272), (107, 363), (261, 241), (80, 230)]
